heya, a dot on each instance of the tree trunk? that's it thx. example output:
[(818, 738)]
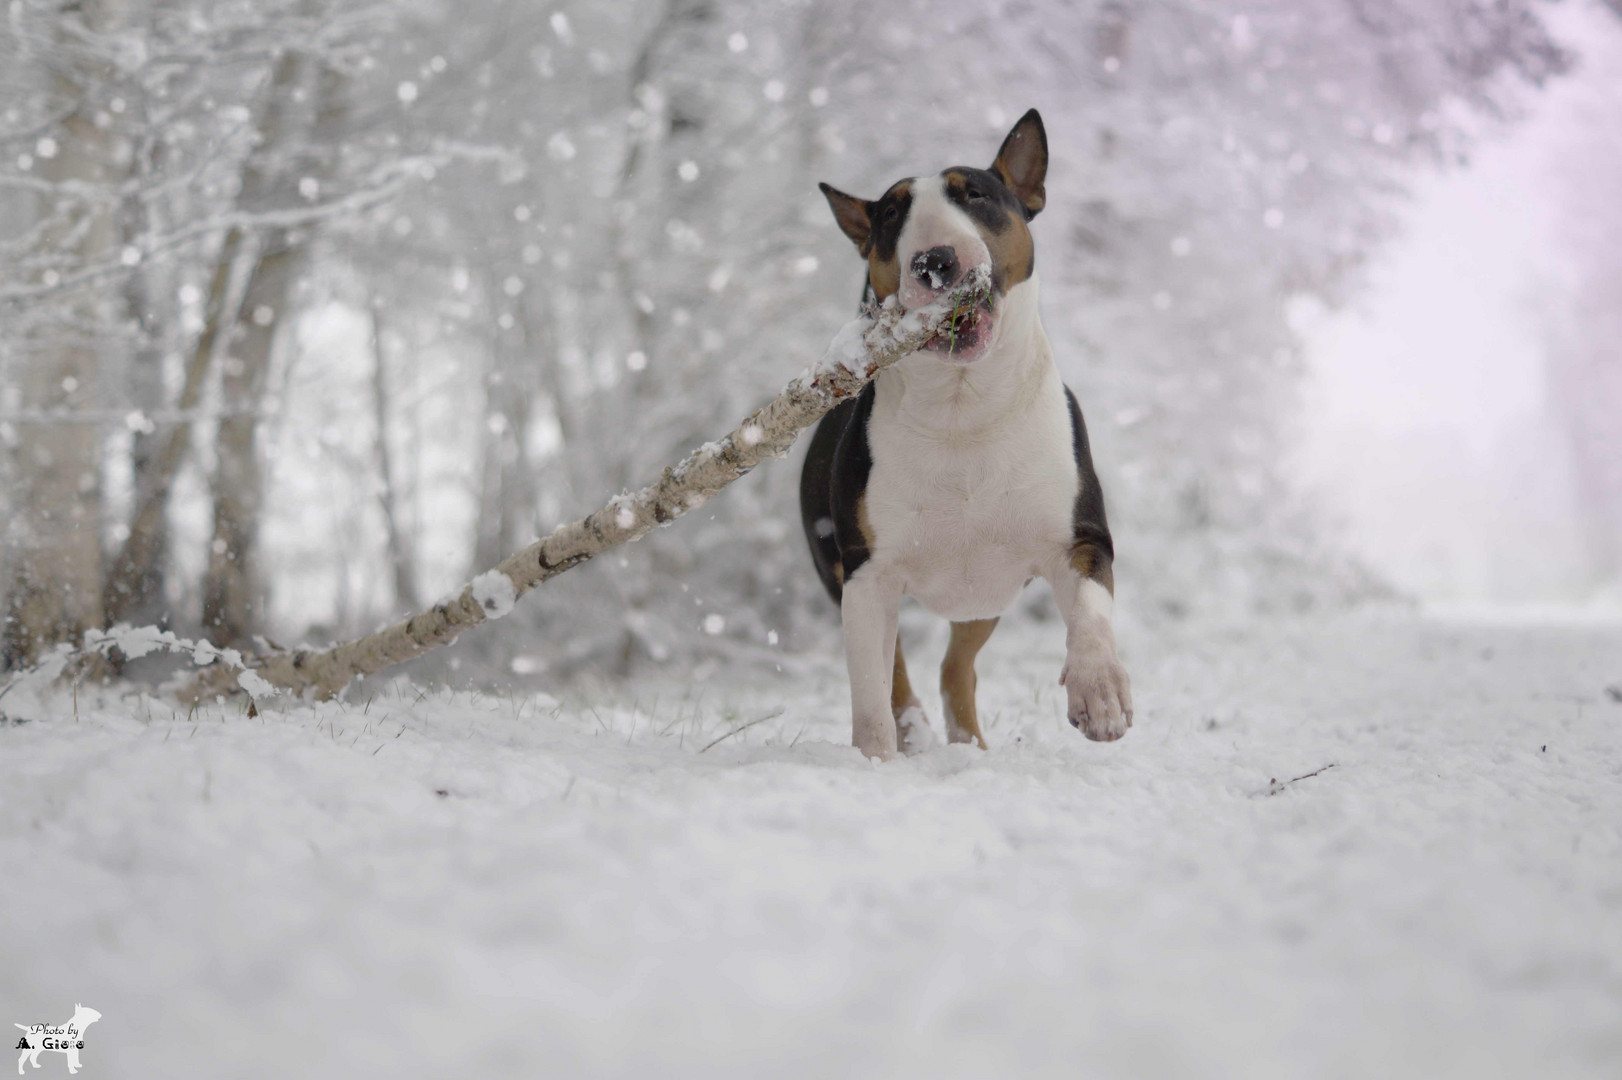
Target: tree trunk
[(233, 586), (860, 351), (136, 594), (401, 560), (54, 577), (233, 589), (137, 569), (506, 486)]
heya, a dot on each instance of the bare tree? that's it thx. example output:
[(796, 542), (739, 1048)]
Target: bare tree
[(507, 490), (137, 567), (233, 588), (54, 588), (135, 591), (402, 562)]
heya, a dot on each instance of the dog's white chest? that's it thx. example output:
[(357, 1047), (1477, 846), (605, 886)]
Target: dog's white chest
[(967, 518)]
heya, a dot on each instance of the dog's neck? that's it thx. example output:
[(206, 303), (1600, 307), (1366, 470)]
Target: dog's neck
[(936, 397)]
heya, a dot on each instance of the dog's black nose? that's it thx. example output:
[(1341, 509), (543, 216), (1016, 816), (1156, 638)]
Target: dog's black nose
[(936, 267)]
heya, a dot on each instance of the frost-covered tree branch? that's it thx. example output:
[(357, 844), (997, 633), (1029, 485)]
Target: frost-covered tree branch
[(384, 184), (863, 348), (288, 218)]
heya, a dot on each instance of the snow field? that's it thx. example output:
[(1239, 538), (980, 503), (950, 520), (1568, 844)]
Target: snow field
[(442, 883)]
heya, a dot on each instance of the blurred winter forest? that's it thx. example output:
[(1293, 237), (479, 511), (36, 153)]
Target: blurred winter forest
[(312, 309)]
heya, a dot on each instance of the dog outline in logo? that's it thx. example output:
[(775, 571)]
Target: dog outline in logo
[(83, 1017)]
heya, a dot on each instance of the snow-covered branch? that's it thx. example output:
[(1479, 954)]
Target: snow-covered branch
[(135, 419), (249, 220), (863, 348)]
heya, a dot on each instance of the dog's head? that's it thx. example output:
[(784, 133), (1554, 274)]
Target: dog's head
[(921, 236)]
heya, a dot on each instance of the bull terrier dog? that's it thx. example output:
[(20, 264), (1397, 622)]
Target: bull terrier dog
[(963, 470)]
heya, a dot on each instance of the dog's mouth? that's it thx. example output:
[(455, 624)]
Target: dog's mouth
[(966, 332)]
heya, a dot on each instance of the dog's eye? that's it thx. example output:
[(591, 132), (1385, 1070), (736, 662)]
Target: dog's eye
[(891, 212), (974, 194)]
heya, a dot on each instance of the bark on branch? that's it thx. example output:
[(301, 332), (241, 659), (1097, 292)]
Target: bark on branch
[(862, 349)]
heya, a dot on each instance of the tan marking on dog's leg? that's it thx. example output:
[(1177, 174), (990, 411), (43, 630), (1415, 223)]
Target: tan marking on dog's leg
[(863, 525), (912, 730), (901, 695), (1091, 561), (958, 679)]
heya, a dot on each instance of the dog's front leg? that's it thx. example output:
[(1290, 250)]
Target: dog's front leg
[(869, 608), (1100, 694)]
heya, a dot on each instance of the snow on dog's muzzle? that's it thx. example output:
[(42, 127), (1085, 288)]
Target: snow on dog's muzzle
[(967, 332), (963, 337), (937, 268)]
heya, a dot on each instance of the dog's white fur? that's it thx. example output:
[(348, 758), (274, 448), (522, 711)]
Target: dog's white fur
[(973, 479), (971, 495), (933, 221)]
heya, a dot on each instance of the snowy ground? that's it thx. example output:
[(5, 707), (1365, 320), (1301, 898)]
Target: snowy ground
[(452, 885)]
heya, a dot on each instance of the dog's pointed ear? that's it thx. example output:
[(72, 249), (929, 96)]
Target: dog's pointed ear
[(852, 215), (1023, 163)]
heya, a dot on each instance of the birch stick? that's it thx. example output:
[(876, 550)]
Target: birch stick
[(862, 349)]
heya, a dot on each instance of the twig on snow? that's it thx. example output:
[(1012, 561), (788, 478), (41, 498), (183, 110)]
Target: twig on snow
[(1274, 786), (743, 727)]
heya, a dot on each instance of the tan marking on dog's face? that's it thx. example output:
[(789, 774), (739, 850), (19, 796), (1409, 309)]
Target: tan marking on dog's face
[(1091, 562), (1000, 221), (884, 275), (889, 215)]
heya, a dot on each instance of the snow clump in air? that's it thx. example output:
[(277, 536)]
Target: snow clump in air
[(495, 593)]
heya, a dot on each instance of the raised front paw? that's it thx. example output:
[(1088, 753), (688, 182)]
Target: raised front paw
[(1100, 694)]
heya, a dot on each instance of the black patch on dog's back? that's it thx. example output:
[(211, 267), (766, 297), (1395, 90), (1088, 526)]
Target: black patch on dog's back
[(1089, 524), (832, 483), (816, 486), (853, 462)]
